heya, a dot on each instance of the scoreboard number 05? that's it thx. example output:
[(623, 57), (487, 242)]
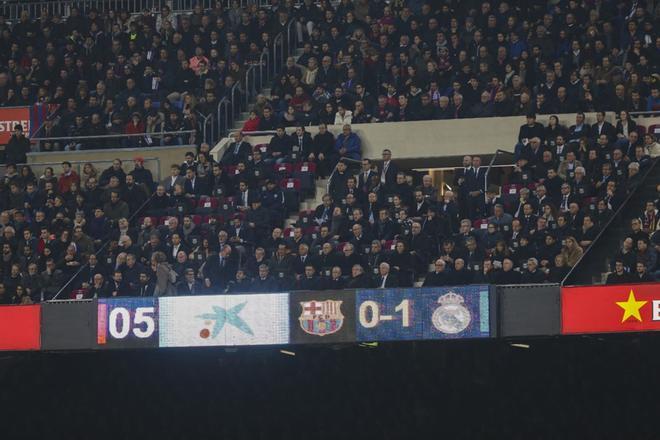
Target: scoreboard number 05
[(120, 325), (370, 315)]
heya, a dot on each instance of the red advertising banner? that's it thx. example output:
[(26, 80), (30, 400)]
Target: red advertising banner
[(610, 309), (20, 327), (9, 117)]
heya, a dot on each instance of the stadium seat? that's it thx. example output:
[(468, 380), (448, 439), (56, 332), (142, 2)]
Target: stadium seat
[(283, 169)]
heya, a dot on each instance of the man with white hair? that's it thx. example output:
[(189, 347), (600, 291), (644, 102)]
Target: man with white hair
[(532, 275), (634, 178), (439, 277), (385, 278)]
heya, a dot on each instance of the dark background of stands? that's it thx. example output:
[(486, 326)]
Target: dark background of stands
[(581, 387)]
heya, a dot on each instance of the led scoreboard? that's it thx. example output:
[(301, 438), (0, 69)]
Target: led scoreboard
[(127, 322), (416, 314)]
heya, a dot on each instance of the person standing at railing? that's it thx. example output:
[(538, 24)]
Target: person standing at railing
[(134, 127), (17, 147)]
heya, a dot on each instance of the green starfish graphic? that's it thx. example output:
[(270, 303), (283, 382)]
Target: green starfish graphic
[(222, 316)]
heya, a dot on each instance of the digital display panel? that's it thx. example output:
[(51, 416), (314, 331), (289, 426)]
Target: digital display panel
[(417, 314), (127, 322), (224, 320)]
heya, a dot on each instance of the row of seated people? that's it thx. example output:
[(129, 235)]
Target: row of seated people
[(421, 62), (636, 260), (153, 72)]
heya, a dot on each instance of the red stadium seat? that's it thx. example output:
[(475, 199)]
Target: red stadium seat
[(261, 147), (654, 130), (207, 205), (288, 232), (389, 245), (196, 219), (480, 224), (304, 167), (290, 184), (641, 130), (312, 231), (511, 189), (283, 169), (154, 220), (306, 218), (591, 203), (78, 293), (207, 219), (340, 246)]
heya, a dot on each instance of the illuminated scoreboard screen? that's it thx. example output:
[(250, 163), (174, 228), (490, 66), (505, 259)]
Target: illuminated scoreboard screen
[(416, 314), (127, 323), (296, 318)]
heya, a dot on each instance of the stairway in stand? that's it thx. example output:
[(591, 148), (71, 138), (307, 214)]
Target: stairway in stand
[(321, 184)]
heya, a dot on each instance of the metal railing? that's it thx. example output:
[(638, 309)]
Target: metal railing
[(270, 63), (13, 8), (224, 116), (491, 164), (76, 139), (206, 127), (343, 159), (616, 217), (645, 113), (99, 164)]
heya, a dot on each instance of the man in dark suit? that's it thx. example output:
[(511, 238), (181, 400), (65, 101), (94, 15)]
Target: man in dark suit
[(364, 177), (301, 144), (118, 287), (385, 228), (240, 233), (323, 212), (419, 246), (360, 239), (388, 171), (327, 76), (219, 269), (462, 178), (439, 277), (603, 127), (566, 198), (264, 282), (99, 288), (189, 285), (174, 179), (309, 280), (237, 151), (194, 186), (303, 259), (476, 187), (385, 279), (420, 205), (145, 285)]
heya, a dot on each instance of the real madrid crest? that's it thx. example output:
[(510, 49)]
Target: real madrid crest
[(452, 316)]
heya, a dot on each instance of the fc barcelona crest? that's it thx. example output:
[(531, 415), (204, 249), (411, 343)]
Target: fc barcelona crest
[(321, 318)]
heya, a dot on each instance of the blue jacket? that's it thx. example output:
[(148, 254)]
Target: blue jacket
[(352, 144)]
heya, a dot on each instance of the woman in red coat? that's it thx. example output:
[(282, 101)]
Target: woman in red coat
[(134, 126), (252, 124)]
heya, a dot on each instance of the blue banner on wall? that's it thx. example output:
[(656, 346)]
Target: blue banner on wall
[(416, 314)]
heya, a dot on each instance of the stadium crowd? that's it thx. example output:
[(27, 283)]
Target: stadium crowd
[(219, 226), (215, 226), (111, 72), (401, 61)]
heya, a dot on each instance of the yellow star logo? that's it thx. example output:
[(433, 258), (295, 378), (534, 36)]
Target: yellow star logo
[(631, 307)]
